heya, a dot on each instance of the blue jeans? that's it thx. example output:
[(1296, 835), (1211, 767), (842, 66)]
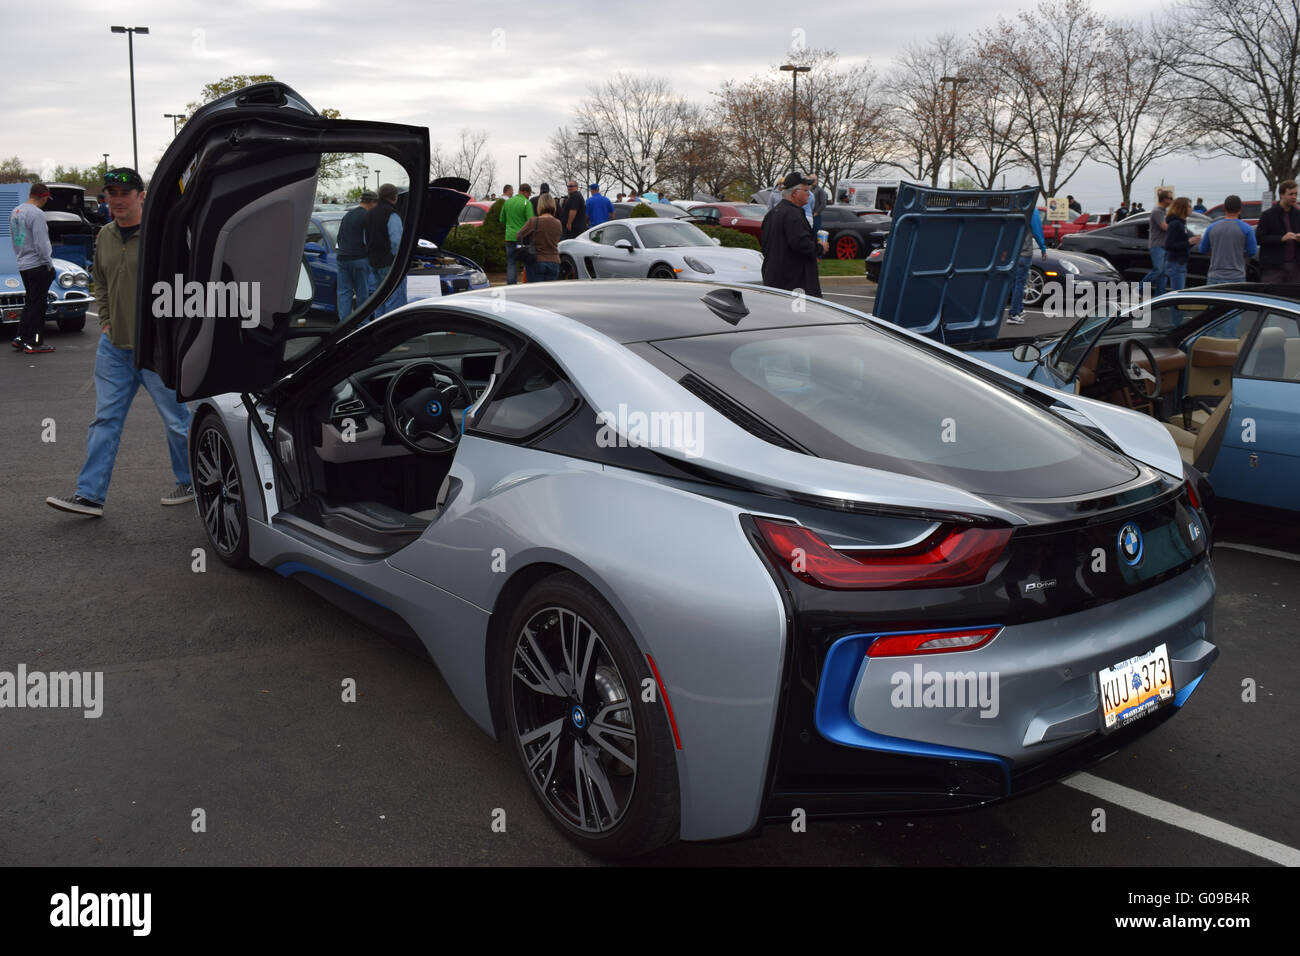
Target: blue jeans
[(543, 271), (1018, 285), (353, 279), (116, 382), (1158, 275), (512, 264), (1176, 273), (397, 299)]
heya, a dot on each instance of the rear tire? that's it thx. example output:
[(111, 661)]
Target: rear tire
[(599, 760), (568, 269)]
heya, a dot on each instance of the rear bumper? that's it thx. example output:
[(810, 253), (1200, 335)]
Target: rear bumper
[(863, 740)]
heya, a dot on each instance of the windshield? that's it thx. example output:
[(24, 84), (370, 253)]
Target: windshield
[(669, 235)]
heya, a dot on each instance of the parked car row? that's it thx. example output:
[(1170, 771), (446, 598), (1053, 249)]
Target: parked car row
[(71, 238)]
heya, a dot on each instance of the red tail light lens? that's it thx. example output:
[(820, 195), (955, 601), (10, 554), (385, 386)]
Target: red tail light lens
[(948, 558), (931, 642), (1191, 494)]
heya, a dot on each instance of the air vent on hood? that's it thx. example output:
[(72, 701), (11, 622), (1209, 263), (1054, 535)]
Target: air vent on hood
[(736, 413)]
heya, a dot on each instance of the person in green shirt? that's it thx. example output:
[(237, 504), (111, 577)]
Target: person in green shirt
[(517, 211)]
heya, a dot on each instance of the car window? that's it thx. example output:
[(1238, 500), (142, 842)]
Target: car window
[(704, 212), (1128, 230), (613, 234), (533, 396), (856, 394), (1275, 352), (331, 227), (751, 211), (314, 235), (472, 214), (669, 235)]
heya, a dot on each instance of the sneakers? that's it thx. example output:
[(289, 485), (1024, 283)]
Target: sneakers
[(179, 495), (77, 505), (32, 348), (17, 343), (1017, 319)]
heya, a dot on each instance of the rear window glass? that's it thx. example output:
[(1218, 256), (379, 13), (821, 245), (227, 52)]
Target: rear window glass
[(855, 394)]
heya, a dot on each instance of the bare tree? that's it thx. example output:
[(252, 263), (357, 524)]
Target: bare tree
[(472, 161), (1134, 125), (638, 119), (566, 156), (1239, 87), (842, 113), (927, 114), (1050, 58), (758, 140), (700, 159), (993, 123)]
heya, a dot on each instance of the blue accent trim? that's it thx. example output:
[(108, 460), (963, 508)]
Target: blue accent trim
[(1180, 698), (290, 568), (833, 714)]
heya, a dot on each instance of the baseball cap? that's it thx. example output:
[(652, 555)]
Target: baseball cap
[(795, 179), (368, 195), (593, 185), (123, 176)]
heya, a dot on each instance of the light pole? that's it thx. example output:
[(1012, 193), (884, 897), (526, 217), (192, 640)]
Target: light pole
[(174, 117), (105, 164), (952, 130), (130, 51), (520, 181), (586, 136), (376, 180), (794, 72)]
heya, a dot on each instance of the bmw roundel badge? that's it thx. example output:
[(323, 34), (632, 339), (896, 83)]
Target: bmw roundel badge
[(578, 716), (1130, 544), (434, 408)]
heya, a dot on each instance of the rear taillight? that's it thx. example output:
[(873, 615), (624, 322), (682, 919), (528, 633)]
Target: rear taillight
[(1191, 494), (948, 558), (931, 642)]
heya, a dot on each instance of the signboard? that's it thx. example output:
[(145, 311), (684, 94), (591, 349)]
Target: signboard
[(1058, 209)]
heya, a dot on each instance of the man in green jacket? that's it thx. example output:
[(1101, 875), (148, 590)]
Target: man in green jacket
[(517, 211), (117, 257)]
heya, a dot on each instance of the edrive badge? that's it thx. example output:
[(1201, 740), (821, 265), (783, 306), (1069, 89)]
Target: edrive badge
[(1130, 544)]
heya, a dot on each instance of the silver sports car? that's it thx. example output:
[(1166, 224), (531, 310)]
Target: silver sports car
[(655, 249), (702, 555)]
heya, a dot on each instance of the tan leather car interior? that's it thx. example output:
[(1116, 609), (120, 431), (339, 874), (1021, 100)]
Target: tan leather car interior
[(1191, 444)]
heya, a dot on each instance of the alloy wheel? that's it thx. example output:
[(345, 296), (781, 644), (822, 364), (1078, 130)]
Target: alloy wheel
[(574, 721), (1033, 287), (218, 493)]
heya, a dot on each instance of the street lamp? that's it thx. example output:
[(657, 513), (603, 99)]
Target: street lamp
[(520, 180), (376, 180), (952, 131), (105, 155), (794, 72), (587, 138), (130, 51), (174, 117)]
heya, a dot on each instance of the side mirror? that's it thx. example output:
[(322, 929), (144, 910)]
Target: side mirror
[(717, 241), (1027, 353), (315, 249), (623, 244)]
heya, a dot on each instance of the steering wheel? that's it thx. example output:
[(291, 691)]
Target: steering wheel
[(1145, 382), (423, 421)]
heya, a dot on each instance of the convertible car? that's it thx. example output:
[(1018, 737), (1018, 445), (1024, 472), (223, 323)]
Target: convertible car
[(703, 555), (655, 249)]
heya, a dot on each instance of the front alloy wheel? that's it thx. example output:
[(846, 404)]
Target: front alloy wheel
[(598, 756), (1034, 283), (219, 493)]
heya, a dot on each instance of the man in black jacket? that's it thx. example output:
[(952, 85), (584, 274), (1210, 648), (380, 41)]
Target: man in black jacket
[(383, 234), (789, 243), (1278, 233)]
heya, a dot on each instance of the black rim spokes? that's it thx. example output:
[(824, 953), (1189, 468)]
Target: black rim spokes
[(574, 719), (219, 494)]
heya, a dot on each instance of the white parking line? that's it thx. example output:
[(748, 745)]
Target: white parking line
[(1185, 819), (1253, 549)]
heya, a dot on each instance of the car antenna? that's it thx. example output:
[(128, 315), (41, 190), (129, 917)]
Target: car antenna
[(727, 305)]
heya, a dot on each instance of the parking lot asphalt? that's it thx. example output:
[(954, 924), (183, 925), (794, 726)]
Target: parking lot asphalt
[(222, 703)]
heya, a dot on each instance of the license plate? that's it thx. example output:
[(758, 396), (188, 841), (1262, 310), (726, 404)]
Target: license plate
[(1134, 688)]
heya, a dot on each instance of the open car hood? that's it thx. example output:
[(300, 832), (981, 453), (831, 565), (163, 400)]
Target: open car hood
[(951, 258), (444, 198)]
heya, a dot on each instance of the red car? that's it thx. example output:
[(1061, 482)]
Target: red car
[(1249, 214), (747, 217), (1086, 222), (474, 213)]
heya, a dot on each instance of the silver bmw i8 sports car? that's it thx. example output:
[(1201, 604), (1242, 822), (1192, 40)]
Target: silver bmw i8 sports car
[(703, 555)]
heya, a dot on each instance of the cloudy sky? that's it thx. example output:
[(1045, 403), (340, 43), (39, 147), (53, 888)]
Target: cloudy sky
[(511, 68)]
